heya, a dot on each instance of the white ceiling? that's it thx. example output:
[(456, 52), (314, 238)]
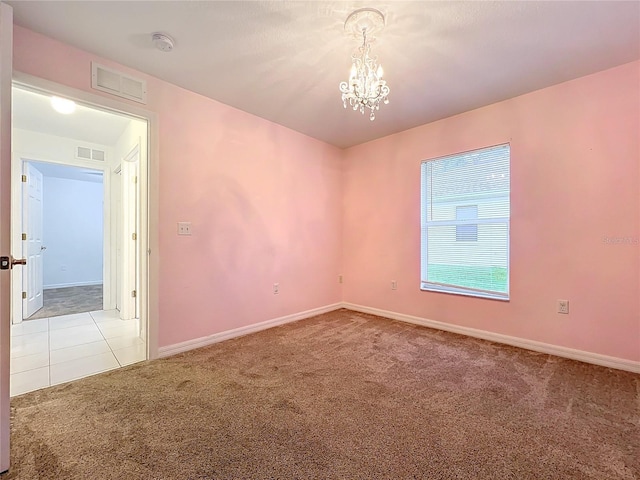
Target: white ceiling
[(33, 111), (283, 60)]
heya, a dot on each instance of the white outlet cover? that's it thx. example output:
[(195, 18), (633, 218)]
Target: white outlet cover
[(563, 306), (184, 228)]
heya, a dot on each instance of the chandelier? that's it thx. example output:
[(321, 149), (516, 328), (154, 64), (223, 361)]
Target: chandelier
[(365, 88)]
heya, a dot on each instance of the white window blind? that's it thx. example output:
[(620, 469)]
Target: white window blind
[(465, 223)]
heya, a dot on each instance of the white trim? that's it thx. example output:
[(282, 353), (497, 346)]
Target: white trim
[(130, 248), (580, 355), (18, 161), (239, 332), (106, 238), (72, 284)]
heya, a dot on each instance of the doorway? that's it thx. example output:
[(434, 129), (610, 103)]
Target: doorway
[(89, 245), (64, 205)]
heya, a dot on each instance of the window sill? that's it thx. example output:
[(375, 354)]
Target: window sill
[(427, 287)]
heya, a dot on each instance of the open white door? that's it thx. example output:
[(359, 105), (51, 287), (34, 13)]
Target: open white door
[(129, 271), (116, 190), (32, 225), (6, 46)]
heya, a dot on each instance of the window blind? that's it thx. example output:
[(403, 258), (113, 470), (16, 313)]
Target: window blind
[(465, 209)]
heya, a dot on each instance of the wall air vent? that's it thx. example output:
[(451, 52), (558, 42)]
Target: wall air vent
[(86, 153), (117, 83)]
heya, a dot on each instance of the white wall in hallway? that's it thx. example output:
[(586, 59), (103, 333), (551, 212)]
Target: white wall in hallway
[(73, 232), (51, 148)]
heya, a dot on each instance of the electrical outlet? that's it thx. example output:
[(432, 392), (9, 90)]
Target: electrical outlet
[(184, 228), (394, 285), (563, 306), (276, 288)]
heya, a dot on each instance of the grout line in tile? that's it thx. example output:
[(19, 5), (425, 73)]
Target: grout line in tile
[(49, 339), (107, 342)]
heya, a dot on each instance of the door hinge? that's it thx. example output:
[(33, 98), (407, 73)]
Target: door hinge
[(134, 236), (134, 179), (24, 236), (133, 293), (24, 178), (24, 295)]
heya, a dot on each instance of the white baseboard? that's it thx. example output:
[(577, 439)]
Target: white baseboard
[(169, 350), (72, 284), (587, 357)]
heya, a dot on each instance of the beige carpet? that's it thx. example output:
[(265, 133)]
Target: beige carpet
[(338, 396)]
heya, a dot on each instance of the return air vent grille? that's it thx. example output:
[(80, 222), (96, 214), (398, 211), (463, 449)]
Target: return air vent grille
[(86, 153), (116, 83)]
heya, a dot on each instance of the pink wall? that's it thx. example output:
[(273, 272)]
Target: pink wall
[(271, 205), (264, 201), (575, 180)]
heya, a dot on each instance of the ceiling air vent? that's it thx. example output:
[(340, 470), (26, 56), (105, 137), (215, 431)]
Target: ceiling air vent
[(117, 83), (86, 153)]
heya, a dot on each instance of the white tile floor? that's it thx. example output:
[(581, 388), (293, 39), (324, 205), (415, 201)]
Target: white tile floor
[(55, 350)]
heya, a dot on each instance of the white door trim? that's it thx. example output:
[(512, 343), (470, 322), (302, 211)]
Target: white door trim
[(19, 160), (149, 194), (129, 194)]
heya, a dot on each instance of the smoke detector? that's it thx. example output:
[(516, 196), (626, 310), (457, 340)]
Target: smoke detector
[(162, 41)]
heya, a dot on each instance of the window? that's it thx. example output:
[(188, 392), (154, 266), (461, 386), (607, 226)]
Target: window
[(465, 223)]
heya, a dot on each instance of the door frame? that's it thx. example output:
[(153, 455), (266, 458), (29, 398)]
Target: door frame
[(149, 195), (128, 217), (19, 160)]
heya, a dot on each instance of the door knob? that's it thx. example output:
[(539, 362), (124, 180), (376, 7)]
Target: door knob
[(18, 261)]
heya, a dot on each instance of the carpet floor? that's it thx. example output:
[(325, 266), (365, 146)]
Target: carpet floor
[(68, 300), (342, 395)]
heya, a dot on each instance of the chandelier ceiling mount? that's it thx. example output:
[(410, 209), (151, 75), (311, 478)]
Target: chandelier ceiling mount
[(364, 20)]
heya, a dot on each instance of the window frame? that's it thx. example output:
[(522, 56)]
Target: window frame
[(425, 224)]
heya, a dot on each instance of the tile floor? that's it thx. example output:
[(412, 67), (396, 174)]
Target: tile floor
[(55, 350)]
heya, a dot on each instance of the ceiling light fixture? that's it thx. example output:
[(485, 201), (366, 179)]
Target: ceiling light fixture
[(63, 105), (365, 88)]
